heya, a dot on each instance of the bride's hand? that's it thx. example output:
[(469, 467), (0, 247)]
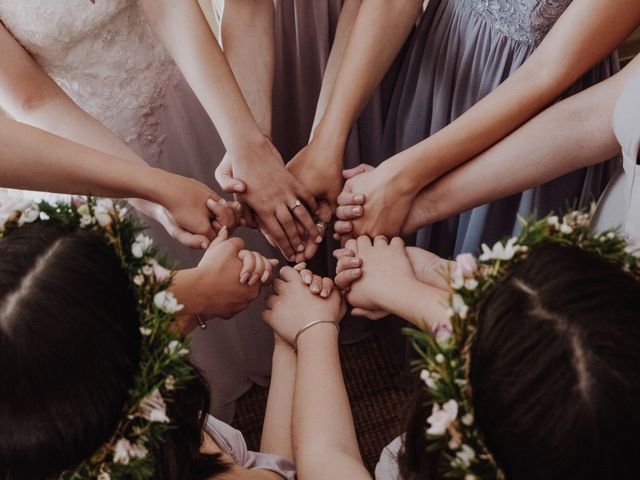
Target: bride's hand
[(272, 193), (293, 306)]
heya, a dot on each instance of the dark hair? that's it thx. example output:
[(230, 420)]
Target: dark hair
[(555, 372), (69, 351)]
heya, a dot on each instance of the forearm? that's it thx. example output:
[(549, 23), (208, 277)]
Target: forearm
[(248, 42), (276, 431), (183, 30), (572, 134), (32, 159), (380, 30), (567, 53), (325, 443)]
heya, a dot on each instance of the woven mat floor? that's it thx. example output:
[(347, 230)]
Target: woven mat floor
[(371, 374)]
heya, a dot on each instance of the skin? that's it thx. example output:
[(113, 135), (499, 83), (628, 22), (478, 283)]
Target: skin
[(566, 53), (570, 135)]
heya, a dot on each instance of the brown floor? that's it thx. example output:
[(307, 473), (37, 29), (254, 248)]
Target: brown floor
[(378, 404)]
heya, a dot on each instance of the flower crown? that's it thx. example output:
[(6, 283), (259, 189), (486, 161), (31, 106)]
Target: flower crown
[(163, 363), (444, 353)]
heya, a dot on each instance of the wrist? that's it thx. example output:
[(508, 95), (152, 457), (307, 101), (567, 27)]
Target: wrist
[(246, 149), (331, 134), (321, 333), (156, 186), (182, 289)]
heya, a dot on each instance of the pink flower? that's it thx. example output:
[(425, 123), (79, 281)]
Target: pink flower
[(467, 264), (442, 332), (162, 274), (78, 201)]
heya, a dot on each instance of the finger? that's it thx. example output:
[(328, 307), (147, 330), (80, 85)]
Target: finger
[(300, 266), (348, 263), (248, 265), (349, 212), (345, 279), (363, 242), (352, 172), (397, 242), (307, 276), (370, 314), (279, 236), (343, 252), (352, 245), (305, 197), (350, 198), (302, 215), (310, 250), (267, 316), (380, 240), (316, 285), (327, 287), (342, 227), (258, 270), (289, 274), (221, 211), (271, 302), (288, 224), (188, 239), (267, 276), (224, 177), (277, 285), (223, 235)]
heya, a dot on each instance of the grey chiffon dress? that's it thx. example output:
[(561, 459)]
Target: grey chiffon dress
[(461, 51)]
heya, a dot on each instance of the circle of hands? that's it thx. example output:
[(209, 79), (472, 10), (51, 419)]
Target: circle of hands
[(293, 205)]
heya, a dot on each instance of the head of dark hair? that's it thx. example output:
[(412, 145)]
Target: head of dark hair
[(69, 352), (554, 371)]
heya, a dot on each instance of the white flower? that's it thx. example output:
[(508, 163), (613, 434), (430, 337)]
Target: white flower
[(457, 278), (141, 245), (467, 419), (175, 348), (124, 451), (122, 212), (440, 358), (442, 417), (138, 280), (170, 383), (566, 229), (427, 378), (553, 221), (166, 302), (147, 270), (470, 476), (145, 332), (611, 235), (104, 476), (104, 212), (471, 284), (465, 456), (499, 251), (30, 214), (459, 307), (153, 408)]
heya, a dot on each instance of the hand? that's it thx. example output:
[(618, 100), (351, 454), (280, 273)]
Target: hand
[(214, 287), (387, 202), (317, 285), (271, 191), (293, 306), (385, 268), (225, 214), (256, 268)]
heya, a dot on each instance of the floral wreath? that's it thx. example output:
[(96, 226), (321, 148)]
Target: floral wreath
[(444, 353), (163, 363)]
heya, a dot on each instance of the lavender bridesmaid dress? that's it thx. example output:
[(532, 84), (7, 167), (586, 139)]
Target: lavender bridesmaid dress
[(462, 50)]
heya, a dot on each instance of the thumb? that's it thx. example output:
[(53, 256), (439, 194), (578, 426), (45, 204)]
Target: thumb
[(224, 177), (352, 172), (223, 235)]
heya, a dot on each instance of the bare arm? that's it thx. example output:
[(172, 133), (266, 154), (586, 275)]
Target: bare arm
[(276, 431), (568, 51), (572, 134)]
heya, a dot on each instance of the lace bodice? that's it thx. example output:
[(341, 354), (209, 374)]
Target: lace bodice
[(103, 55), (526, 21)]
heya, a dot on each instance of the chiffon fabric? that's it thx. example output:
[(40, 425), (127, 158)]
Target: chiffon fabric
[(105, 57), (463, 50)]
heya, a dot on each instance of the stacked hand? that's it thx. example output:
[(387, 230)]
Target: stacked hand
[(283, 207)]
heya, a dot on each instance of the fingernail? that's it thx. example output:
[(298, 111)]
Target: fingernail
[(265, 277), (244, 277), (300, 248), (319, 239), (359, 198), (324, 293), (211, 203), (356, 210), (254, 278), (314, 289), (291, 258), (356, 272), (355, 262), (307, 279), (204, 245)]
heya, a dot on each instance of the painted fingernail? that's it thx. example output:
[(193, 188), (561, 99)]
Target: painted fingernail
[(356, 210), (265, 277), (211, 203), (315, 289), (307, 279), (355, 262), (204, 245), (244, 277), (319, 239), (324, 293), (356, 272), (254, 279), (300, 248), (359, 198)]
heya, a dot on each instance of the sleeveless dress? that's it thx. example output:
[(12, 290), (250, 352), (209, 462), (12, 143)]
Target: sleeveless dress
[(619, 206), (105, 57), (462, 50), (232, 443)]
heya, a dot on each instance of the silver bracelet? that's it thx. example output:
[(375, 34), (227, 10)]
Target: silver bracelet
[(308, 326)]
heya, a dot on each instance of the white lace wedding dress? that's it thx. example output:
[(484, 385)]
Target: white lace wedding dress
[(107, 60)]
